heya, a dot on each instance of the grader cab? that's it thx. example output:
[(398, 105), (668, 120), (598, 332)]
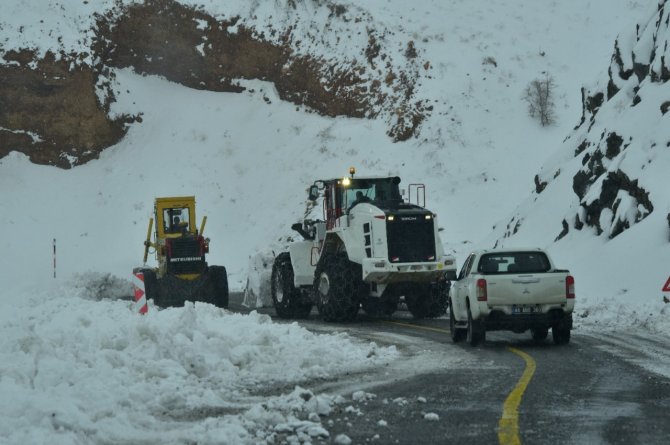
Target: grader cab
[(182, 273)]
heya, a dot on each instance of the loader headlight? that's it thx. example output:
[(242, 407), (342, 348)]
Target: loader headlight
[(390, 218), (429, 216), (346, 182)]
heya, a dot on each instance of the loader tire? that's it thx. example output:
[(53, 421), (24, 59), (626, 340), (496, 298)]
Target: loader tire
[(150, 284), (219, 278), (171, 292), (384, 306), (337, 288), (428, 300), (289, 302)]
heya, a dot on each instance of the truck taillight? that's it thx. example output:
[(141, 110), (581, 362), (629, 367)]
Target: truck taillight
[(569, 287), (481, 290)]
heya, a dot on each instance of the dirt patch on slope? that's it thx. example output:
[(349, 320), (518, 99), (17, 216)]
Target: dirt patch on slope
[(56, 112), (51, 112), (192, 48)]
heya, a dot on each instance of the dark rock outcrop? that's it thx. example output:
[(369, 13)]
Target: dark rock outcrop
[(627, 71)]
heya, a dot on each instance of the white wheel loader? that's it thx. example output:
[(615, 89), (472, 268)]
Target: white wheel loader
[(370, 249)]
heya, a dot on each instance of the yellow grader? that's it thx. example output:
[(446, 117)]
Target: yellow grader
[(180, 248)]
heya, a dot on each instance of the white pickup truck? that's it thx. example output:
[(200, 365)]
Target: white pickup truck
[(511, 289)]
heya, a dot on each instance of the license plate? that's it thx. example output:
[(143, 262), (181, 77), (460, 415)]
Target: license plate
[(525, 308)]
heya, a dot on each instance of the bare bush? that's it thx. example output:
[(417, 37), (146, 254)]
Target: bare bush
[(539, 95)]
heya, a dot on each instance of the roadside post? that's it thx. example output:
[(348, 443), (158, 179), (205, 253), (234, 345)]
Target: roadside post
[(140, 293)]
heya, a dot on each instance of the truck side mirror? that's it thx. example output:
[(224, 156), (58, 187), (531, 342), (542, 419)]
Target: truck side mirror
[(313, 193)]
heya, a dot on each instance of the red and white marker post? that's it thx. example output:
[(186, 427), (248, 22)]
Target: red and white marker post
[(140, 294), (666, 286)]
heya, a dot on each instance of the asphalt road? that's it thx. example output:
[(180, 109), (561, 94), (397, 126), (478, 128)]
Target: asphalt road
[(601, 388)]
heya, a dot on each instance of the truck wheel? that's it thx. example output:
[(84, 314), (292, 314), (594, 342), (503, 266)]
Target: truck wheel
[(539, 334), (428, 301), (337, 288), (561, 334), (475, 333), (457, 335), (287, 299), (219, 278)]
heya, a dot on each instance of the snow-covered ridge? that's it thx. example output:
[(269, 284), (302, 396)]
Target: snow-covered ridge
[(613, 185), (602, 200)]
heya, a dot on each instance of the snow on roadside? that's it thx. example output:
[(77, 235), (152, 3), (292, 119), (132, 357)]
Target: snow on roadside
[(77, 370)]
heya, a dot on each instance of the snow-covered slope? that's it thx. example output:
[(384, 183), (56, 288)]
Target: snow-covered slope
[(607, 201), (248, 161)]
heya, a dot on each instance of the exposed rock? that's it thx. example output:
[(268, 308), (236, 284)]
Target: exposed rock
[(564, 232), (51, 112), (580, 183), (581, 147), (614, 183), (614, 142), (539, 185), (665, 106)]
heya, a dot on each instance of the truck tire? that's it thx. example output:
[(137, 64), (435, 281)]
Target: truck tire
[(561, 333), (476, 332), (219, 278), (337, 288), (288, 301), (539, 334), (457, 335), (428, 300)]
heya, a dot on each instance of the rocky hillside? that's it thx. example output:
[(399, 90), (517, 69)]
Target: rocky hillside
[(56, 105), (614, 158)]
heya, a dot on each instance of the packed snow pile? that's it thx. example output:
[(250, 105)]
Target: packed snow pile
[(75, 370)]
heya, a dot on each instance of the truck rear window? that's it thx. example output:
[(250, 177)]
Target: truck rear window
[(513, 262)]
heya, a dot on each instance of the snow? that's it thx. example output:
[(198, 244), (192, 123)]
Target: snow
[(79, 366), (80, 369)]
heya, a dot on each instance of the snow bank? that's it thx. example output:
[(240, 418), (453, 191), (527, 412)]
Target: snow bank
[(75, 370)]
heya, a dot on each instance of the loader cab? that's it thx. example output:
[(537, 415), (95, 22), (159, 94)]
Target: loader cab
[(341, 195)]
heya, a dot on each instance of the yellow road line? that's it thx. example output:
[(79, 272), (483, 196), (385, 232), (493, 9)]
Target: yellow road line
[(416, 326), (508, 427)]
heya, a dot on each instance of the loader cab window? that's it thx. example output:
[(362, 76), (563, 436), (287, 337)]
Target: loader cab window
[(387, 190), (332, 204), (369, 190), (358, 195), (175, 220)]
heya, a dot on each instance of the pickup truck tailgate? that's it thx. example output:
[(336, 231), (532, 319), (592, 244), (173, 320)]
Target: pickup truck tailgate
[(538, 288)]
